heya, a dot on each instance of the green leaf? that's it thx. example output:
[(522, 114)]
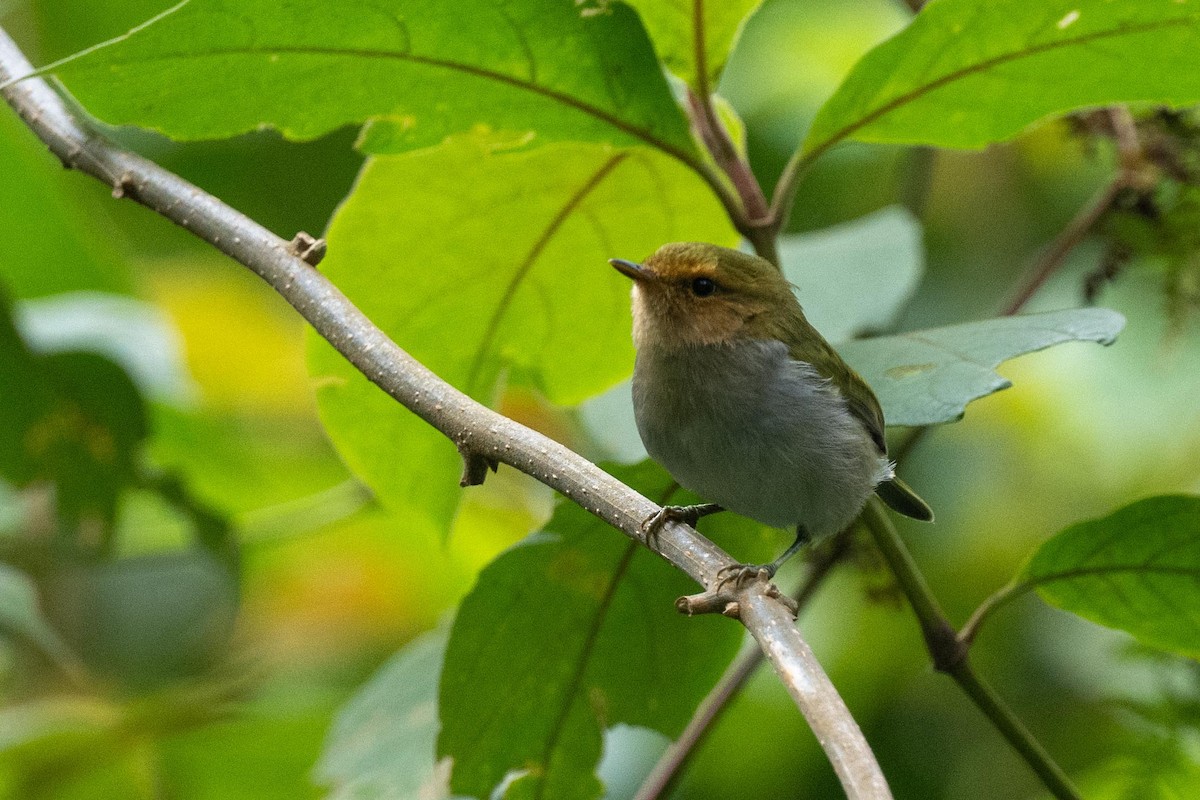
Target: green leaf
[(72, 418), (50, 245), (25, 398), (928, 377), (382, 742), (134, 334), (856, 277), (150, 619), (966, 73), (678, 26), (1164, 773), (523, 70), (570, 632), (1137, 569), (491, 269), (21, 615)]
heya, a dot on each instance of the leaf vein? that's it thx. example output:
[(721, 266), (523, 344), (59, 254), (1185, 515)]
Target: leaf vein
[(570, 696), (523, 269), (638, 132), (982, 66)]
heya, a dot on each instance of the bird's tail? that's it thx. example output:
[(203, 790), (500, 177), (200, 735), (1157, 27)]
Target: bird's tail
[(897, 494)]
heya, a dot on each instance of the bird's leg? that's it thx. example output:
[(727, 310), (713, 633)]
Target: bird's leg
[(689, 514), (740, 574)]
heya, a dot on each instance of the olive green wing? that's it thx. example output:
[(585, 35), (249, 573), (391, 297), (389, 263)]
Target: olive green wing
[(859, 398), (863, 404)]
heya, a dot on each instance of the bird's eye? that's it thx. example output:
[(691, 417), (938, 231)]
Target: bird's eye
[(703, 287)]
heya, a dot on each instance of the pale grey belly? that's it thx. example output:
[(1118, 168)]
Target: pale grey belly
[(748, 428)]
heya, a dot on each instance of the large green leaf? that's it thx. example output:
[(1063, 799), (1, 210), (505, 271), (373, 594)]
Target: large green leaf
[(491, 268), (694, 37), (382, 742), (523, 70), (969, 72), (927, 377), (1137, 569), (568, 633)]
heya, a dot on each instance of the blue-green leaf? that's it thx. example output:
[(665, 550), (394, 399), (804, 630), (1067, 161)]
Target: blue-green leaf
[(929, 376)]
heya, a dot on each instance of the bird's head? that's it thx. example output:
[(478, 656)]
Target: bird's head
[(691, 293)]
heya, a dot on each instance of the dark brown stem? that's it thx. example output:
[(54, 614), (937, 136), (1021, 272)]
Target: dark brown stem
[(713, 133), (725, 153), (754, 222)]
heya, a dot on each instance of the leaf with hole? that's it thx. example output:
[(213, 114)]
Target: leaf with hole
[(967, 73), (1137, 569), (928, 377)]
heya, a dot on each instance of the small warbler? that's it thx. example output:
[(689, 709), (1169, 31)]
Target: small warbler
[(747, 405)]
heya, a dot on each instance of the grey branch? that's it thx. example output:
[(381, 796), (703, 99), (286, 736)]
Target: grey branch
[(483, 436)]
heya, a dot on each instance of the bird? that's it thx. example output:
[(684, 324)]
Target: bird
[(746, 405)]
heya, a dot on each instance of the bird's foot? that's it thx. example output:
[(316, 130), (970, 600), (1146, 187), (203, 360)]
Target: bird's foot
[(742, 575), (654, 523)]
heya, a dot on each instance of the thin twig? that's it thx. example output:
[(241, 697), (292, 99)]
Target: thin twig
[(970, 628), (1066, 241), (671, 765), (474, 428), (753, 219), (950, 653), (1129, 173)]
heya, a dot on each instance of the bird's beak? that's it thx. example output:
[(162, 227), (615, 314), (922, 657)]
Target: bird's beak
[(631, 269)]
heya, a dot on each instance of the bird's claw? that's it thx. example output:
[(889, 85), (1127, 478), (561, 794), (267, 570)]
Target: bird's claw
[(653, 524), (742, 575)]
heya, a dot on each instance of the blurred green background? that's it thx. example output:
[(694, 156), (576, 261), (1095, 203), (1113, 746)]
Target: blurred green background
[(331, 586)]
